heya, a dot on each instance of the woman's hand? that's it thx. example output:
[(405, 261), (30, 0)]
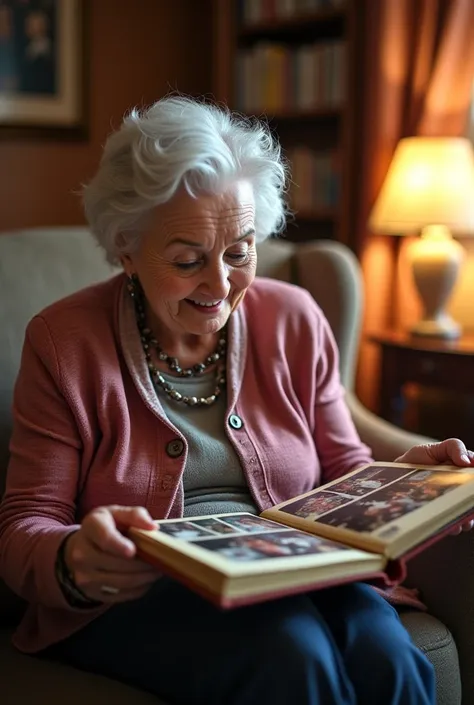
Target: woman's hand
[(449, 452), (102, 560)]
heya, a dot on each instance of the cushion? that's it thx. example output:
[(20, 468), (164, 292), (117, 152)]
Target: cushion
[(436, 641)]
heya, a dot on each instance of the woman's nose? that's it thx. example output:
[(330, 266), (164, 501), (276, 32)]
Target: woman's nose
[(217, 281)]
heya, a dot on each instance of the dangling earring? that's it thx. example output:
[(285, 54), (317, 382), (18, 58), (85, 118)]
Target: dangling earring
[(133, 286)]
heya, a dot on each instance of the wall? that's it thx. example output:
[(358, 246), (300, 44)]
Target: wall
[(138, 51)]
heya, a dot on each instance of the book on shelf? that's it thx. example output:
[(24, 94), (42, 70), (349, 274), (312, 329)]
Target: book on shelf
[(363, 526), (275, 78), (315, 179)]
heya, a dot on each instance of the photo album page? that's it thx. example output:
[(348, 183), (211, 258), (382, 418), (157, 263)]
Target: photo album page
[(382, 505)]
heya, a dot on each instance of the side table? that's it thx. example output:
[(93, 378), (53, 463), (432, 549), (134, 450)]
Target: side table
[(444, 364)]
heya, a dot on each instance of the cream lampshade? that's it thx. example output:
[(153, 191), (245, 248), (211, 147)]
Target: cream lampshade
[(429, 189)]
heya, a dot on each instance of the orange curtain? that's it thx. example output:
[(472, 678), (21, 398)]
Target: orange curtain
[(418, 71)]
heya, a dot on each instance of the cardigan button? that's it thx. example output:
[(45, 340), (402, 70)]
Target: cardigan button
[(175, 448), (235, 421)]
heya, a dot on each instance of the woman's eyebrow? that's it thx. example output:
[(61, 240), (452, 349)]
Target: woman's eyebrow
[(192, 243)]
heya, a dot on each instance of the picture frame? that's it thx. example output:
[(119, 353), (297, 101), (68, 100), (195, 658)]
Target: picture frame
[(43, 66)]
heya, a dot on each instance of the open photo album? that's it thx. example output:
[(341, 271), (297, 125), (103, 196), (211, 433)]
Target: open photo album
[(363, 526)]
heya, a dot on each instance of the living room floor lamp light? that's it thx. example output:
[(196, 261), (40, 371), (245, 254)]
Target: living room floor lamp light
[(429, 189)]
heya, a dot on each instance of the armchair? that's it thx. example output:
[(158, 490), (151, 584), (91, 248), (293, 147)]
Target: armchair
[(38, 266)]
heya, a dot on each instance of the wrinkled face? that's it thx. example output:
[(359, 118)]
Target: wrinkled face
[(196, 259)]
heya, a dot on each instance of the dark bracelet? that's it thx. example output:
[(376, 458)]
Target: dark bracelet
[(72, 593)]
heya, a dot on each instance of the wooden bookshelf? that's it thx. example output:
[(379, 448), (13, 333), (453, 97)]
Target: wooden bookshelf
[(311, 114), (314, 130), (292, 24), (317, 216)]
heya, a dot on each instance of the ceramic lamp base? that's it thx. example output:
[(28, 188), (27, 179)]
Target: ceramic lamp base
[(436, 259), (443, 327)]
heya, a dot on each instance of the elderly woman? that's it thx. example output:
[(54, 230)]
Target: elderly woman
[(185, 386)]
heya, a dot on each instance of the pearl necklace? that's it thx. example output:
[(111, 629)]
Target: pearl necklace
[(149, 343)]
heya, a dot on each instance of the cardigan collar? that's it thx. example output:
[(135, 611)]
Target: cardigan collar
[(130, 343)]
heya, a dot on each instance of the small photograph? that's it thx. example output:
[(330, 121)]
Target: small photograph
[(217, 526), (368, 480), (425, 485), (279, 544), (250, 524), (396, 500), (315, 505), (185, 530)]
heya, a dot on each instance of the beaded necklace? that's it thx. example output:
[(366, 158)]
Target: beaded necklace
[(149, 343)]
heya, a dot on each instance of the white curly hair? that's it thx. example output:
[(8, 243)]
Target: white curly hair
[(181, 141)]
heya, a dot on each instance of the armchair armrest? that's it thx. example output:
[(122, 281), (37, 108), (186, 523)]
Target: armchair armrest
[(444, 574), (387, 441)]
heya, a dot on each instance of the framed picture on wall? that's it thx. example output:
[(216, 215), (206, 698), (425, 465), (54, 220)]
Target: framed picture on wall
[(42, 68)]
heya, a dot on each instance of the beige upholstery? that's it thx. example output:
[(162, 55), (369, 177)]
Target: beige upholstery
[(38, 266)]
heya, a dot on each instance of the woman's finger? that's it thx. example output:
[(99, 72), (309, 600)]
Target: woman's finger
[(102, 527), (467, 526), (452, 450), (88, 557), (91, 581), (125, 517)]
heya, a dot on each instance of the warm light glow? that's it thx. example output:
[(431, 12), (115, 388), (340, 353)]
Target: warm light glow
[(430, 181)]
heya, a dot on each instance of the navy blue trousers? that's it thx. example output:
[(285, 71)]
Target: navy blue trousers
[(340, 646)]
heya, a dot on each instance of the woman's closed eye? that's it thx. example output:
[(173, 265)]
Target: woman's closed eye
[(187, 265), (238, 256), (234, 257)]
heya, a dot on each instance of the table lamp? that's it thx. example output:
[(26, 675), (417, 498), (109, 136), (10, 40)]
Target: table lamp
[(429, 189)]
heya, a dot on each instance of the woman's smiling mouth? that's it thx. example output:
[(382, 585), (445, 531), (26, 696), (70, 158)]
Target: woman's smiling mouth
[(205, 307)]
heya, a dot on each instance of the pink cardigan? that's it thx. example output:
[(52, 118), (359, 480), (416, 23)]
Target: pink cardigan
[(89, 429)]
